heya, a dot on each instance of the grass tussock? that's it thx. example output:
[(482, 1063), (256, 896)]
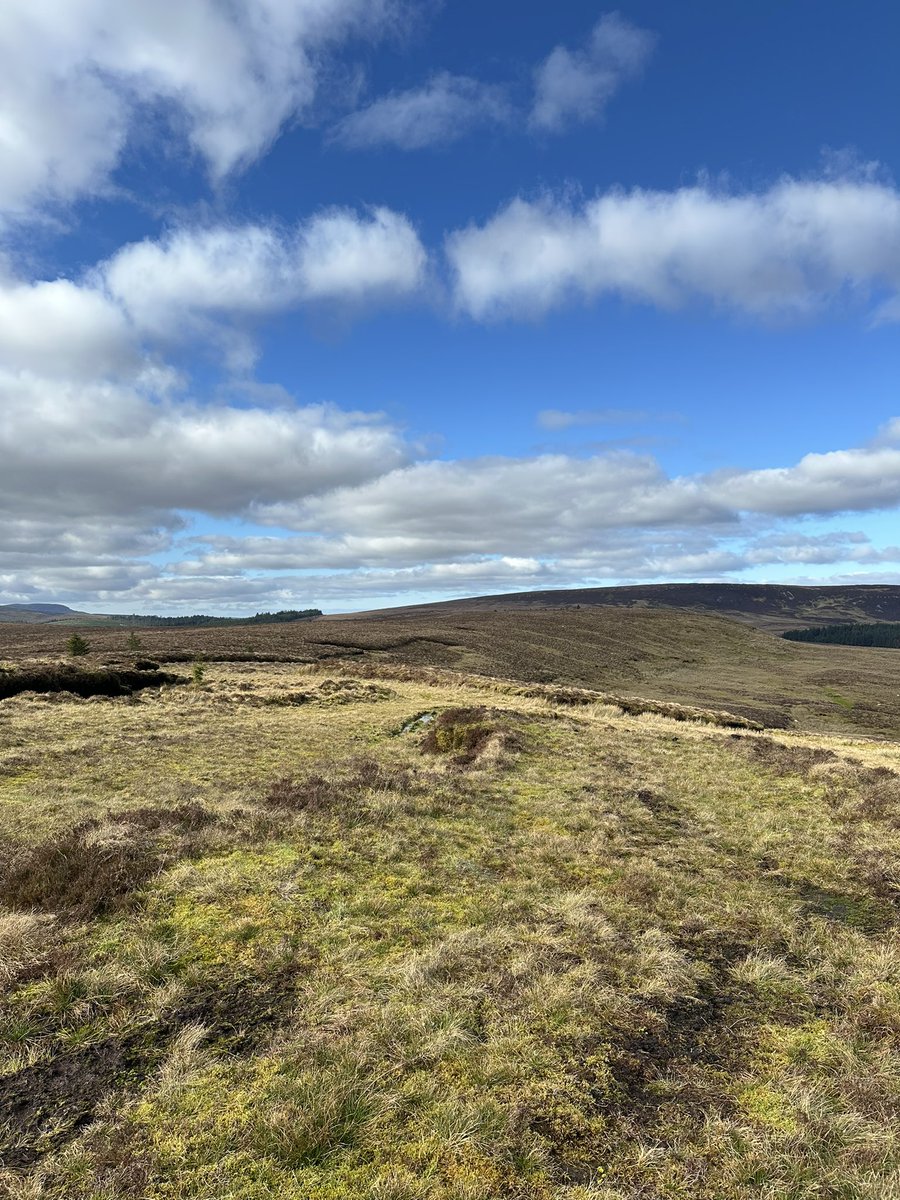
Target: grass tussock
[(466, 735)]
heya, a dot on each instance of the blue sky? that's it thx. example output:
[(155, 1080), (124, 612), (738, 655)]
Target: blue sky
[(352, 303)]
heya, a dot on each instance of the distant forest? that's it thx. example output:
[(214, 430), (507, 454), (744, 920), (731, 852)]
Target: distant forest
[(878, 633), (262, 618)]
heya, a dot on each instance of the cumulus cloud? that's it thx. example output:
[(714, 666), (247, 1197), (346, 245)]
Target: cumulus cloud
[(202, 283), (84, 451), (74, 74), (859, 480), (575, 85), (108, 472), (63, 329), (505, 505), (439, 113), (291, 570), (105, 451), (563, 520), (788, 250), (335, 256)]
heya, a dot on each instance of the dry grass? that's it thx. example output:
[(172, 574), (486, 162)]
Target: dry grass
[(531, 948), (665, 655)]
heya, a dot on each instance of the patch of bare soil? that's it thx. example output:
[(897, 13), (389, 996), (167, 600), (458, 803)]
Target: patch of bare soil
[(663, 1072), (780, 758), (44, 1106), (239, 1014)]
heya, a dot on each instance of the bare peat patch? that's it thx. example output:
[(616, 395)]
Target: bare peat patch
[(79, 681)]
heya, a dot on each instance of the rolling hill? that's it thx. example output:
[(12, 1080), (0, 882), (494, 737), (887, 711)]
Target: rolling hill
[(667, 654), (773, 607)]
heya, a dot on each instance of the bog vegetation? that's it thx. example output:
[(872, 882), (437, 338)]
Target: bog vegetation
[(380, 931)]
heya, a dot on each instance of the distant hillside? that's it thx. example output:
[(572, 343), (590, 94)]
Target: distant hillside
[(50, 609), (773, 607), (60, 614), (39, 614), (698, 659)]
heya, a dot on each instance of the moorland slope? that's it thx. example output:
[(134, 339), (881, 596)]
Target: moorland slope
[(411, 934), (667, 654), (766, 606), (773, 607)]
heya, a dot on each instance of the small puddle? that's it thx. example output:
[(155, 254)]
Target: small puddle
[(417, 722)]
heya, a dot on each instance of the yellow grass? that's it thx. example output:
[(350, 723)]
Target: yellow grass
[(610, 956)]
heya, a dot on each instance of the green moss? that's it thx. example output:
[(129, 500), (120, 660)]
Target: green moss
[(768, 1108)]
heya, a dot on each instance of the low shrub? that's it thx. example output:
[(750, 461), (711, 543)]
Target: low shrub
[(76, 873), (97, 866), (342, 791), (461, 733)]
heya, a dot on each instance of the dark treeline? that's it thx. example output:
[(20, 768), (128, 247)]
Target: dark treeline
[(262, 618), (878, 633)]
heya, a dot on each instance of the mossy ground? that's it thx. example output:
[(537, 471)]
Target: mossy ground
[(604, 955)]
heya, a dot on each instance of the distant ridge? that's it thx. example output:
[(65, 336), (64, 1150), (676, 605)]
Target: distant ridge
[(773, 607), (61, 614), (53, 609), (35, 614)]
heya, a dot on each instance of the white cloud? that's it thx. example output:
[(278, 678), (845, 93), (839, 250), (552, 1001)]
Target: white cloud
[(822, 549), (344, 258), (225, 271), (575, 85), (104, 471), (263, 571), (197, 284), (613, 514), (568, 86), (442, 111), (73, 452), (74, 75), (63, 329), (507, 505), (556, 419), (788, 250), (860, 480)]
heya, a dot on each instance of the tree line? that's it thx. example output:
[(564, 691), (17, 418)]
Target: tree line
[(260, 618), (876, 633)]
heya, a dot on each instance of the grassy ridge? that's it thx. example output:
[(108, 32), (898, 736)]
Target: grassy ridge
[(257, 941)]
